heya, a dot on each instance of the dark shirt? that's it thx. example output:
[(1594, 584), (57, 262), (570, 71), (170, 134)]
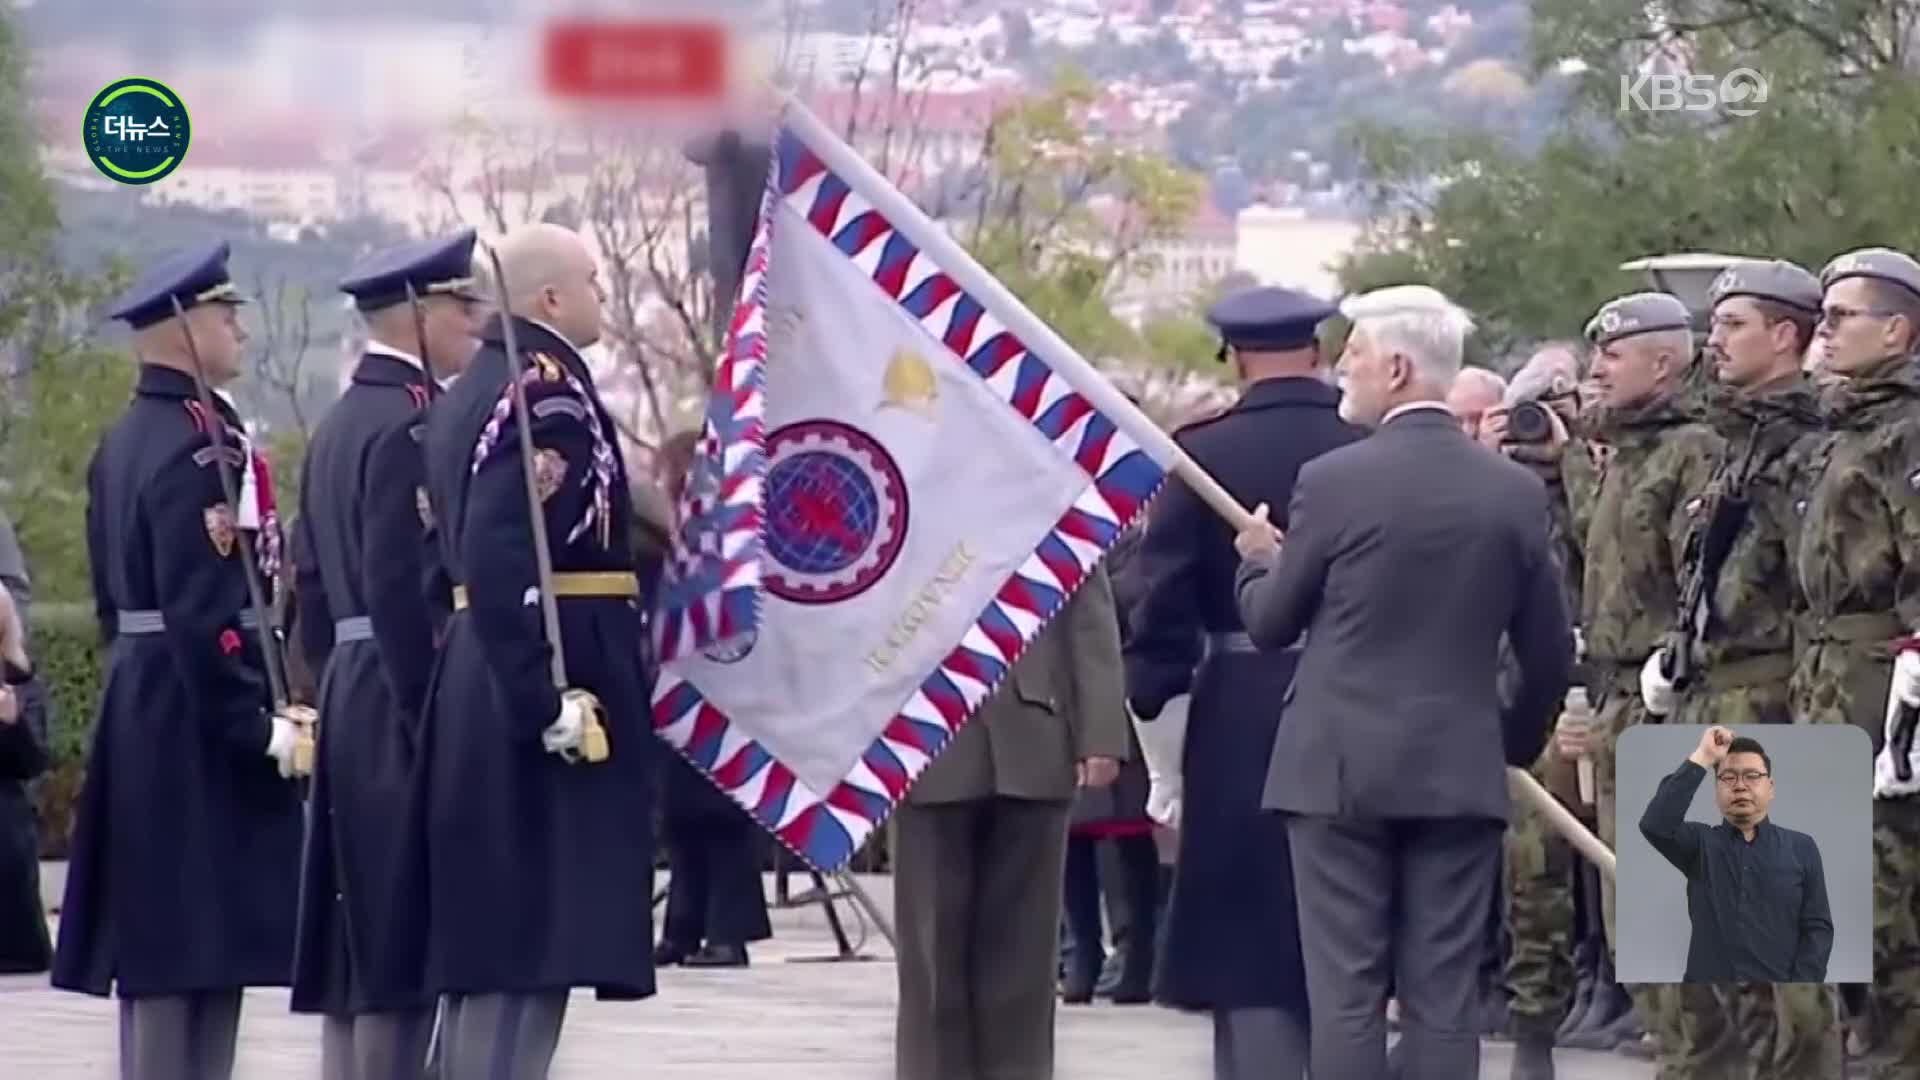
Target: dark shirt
[(1758, 908)]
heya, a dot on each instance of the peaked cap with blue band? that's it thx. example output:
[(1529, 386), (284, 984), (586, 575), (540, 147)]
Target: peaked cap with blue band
[(440, 266), (193, 276), (1269, 319)]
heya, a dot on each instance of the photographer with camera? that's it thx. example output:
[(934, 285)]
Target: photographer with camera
[(1557, 984)]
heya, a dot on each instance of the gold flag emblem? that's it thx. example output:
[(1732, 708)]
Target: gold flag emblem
[(909, 383)]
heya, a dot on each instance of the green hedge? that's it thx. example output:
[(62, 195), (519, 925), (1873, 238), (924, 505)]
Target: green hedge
[(68, 655)]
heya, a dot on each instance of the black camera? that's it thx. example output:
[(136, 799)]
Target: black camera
[(1528, 422)]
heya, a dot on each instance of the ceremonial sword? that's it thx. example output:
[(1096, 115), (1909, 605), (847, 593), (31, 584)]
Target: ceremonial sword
[(593, 734), (303, 717)]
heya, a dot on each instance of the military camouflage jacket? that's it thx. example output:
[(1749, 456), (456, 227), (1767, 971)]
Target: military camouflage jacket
[(1648, 464), (1859, 549), (1767, 438)]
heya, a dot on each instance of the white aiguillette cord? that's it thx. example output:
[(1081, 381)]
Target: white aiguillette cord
[(249, 514)]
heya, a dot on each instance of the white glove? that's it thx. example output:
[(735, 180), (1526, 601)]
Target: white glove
[(281, 744), (1886, 782), (1906, 676), (1163, 743), (1655, 691), (564, 735)]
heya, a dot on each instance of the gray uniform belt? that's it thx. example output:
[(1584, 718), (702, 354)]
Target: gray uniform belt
[(136, 623), (1240, 643), (354, 628)]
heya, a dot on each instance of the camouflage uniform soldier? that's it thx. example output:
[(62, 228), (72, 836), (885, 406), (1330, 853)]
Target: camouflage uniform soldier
[(1650, 457), (1740, 602), (1538, 863), (1859, 563)]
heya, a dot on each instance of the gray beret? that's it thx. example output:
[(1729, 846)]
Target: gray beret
[(1637, 313), (1883, 263), (1769, 279)]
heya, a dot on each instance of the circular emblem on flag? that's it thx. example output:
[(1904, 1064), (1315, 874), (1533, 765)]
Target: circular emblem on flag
[(837, 512)]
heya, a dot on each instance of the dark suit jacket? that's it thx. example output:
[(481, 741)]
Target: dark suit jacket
[(1408, 555)]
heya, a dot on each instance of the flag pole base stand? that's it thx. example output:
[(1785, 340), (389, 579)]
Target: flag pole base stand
[(824, 896)]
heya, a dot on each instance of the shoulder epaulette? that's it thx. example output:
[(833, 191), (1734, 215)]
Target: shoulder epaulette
[(196, 415)]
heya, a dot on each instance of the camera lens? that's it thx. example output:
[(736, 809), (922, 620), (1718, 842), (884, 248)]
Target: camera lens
[(1528, 422)]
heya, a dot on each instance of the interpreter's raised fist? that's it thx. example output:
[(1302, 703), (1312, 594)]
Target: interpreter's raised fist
[(1713, 746)]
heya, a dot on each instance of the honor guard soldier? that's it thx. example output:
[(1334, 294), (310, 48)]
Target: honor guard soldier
[(1231, 943), (1859, 563), (540, 789), (361, 558), (186, 851)]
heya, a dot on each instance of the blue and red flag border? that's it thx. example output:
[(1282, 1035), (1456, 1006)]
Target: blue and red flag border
[(733, 442), (826, 830)]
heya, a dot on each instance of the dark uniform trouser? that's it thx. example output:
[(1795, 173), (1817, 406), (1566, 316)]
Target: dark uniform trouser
[(1259, 1044), (977, 890), (180, 1037), (500, 1036), (375, 1046)]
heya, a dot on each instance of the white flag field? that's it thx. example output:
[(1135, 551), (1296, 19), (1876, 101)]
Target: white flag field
[(902, 476)]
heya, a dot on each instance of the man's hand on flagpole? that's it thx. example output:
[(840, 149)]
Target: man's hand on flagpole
[(1258, 539), (1096, 772)]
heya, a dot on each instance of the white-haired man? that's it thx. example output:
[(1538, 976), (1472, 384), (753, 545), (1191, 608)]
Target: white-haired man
[(1391, 764)]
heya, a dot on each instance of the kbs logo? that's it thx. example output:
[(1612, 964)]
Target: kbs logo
[(1738, 93)]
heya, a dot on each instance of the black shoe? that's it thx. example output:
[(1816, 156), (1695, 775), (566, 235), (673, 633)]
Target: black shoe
[(717, 956), (1111, 971), (1083, 972), (669, 952), (1603, 1028), (1643, 1046), (1532, 1058), (1135, 985), (1584, 962), (1628, 1033)]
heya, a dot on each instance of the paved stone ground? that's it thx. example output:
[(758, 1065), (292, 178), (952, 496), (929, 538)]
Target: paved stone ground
[(779, 1018)]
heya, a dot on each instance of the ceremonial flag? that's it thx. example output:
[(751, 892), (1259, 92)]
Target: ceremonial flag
[(901, 478)]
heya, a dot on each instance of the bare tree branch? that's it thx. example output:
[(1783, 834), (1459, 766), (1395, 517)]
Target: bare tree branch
[(280, 354)]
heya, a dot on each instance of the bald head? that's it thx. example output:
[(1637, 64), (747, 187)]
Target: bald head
[(1474, 391), (551, 277), (1476, 388)]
